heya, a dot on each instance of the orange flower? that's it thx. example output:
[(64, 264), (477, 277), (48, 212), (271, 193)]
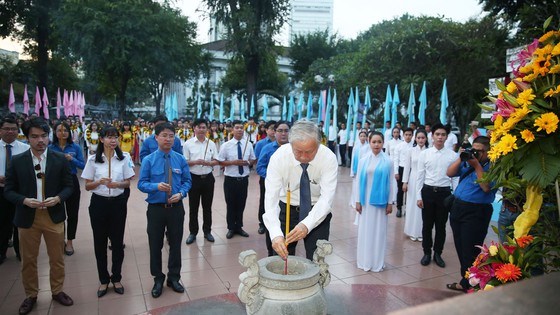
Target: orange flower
[(527, 135), (508, 272), (523, 241)]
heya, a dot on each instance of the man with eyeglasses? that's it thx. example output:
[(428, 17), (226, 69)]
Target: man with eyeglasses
[(39, 209), (9, 147)]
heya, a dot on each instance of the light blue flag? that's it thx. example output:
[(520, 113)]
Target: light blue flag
[(335, 108), (444, 104), (265, 108), (367, 106), (350, 114), (356, 108), (252, 110), (411, 105), (309, 106), (396, 103), (290, 117), (388, 105), (320, 111), (198, 106), (221, 115), (242, 109), (284, 109), (231, 107), (300, 106), (175, 106), (167, 106), (423, 105), (328, 114), (211, 111)]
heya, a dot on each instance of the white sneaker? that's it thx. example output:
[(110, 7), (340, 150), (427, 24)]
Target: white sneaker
[(419, 239), (412, 238)]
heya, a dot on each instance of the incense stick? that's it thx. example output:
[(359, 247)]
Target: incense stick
[(288, 195)]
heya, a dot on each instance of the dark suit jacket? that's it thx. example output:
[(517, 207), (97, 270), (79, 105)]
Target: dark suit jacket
[(21, 183)]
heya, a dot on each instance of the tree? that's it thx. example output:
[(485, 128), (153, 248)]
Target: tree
[(118, 42), (304, 49), (251, 26)]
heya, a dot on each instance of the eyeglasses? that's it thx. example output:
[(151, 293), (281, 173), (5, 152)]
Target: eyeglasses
[(40, 174), (10, 129)]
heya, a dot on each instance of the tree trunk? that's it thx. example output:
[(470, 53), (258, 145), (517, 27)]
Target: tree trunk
[(252, 67)]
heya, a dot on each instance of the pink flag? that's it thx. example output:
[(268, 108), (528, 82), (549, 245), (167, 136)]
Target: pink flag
[(25, 101), (82, 108), (37, 101), (58, 103), (12, 100), (77, 101), (65, 103), (71, 104), (45, 104)]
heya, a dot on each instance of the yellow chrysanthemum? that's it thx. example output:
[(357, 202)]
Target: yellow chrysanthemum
[(493, 154), (526, 69), (509, 124), (498, 121), (527, 136), (530, 77), (555, 69), (507, 144), (520, 113), (542, 52), (549, 93), (556, 50), (525, 98), (511, 87), (546, 36), (547, 122)]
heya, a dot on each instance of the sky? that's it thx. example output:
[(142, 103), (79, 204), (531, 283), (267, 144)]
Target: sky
[(350, 16)]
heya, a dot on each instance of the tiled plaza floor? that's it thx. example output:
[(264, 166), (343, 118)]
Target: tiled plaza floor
[(212, 268)]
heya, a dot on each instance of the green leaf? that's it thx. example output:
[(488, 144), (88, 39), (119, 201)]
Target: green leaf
[(539, 168), (500, 85), (547, 23)]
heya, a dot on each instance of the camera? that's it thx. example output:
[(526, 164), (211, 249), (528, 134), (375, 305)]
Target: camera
[(468, 154)]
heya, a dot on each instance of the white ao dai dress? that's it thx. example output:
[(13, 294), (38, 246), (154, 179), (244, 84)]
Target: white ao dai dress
[(413, 218)]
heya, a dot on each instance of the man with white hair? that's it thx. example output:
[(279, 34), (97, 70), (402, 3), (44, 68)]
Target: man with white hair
[(309, 170)]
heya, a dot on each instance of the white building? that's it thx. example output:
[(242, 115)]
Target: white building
[(309, 16)]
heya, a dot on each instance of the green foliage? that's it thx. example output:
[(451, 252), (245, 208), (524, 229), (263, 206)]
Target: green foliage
[(305, 49), (269, 79)]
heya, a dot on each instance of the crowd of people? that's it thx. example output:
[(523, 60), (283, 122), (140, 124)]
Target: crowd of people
[(408, 169)]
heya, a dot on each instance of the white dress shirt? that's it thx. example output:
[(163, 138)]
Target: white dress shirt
[(120, 171), (333, 133), (451, 141), (228, 152), (17, 148), (196, 150), (400, 154), (342, 137), (42, 160), (283, 170), (432, 169)]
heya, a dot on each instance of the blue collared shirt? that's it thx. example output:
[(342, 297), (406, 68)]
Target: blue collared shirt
[(469, 190), (77, 155), (152, 173), (150, 145), (264, 158), (260, 145)]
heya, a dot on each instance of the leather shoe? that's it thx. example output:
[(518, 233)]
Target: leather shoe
[(27, 306), (63, 299), (118, 288), (242, 233), (209, 237), (102, 290), (426, 260), (439, 261), (191, 239), (229, 234), (157, 289), (261, 229), (176, 286), (399, 213)]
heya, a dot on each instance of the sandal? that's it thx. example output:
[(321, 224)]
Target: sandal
[(455, 287)]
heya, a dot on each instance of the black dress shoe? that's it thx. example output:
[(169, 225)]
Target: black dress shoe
[(157, 289), (242, 233), (229, 234), (191, 239), (439, 261), (102, 290), (426, 260), (209, 237), (261, 229), (63, 299), (27, 306), (399, 213), (118, 288), (176, 286)]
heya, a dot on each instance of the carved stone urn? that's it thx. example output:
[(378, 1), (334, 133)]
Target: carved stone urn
[(265, 289)]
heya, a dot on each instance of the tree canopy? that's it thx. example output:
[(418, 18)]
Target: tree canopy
[(304, 49)]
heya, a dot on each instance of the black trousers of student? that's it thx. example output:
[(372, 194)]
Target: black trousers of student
[(349, 149), (202, 190), (400, 193), (108, 221), (161, 217), (7, 228), (342, 151), (72, 208), (434, 213), (235, 193), (469, 222), (261, 200), (332, 146), (321, 232)]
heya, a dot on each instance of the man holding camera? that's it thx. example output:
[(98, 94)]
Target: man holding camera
[(472, 208)]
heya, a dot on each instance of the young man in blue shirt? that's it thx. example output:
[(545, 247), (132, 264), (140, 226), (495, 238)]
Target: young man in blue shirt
[(165, 177)]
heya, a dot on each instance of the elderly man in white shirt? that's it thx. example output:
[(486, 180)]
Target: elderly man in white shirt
[(433, 186), (309, 170)]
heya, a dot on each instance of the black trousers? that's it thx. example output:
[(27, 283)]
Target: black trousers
[(108, 221), (321, 232), (72, 208), (7, 228), (349, 149), (400, 193), (235, 193), (261, 200), (342, 151), (202, 190), (332, 146), (160, 218), (469, 222), (434, 213)]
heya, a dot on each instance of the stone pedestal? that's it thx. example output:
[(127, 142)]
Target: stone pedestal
[(266, 290)]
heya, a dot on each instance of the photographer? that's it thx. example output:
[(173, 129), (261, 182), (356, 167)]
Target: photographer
[(472, 208)]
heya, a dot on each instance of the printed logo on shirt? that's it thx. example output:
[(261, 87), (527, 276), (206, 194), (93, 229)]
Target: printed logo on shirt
[(177, 170)]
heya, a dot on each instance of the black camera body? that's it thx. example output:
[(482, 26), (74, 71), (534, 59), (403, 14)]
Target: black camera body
[(468, 154)]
